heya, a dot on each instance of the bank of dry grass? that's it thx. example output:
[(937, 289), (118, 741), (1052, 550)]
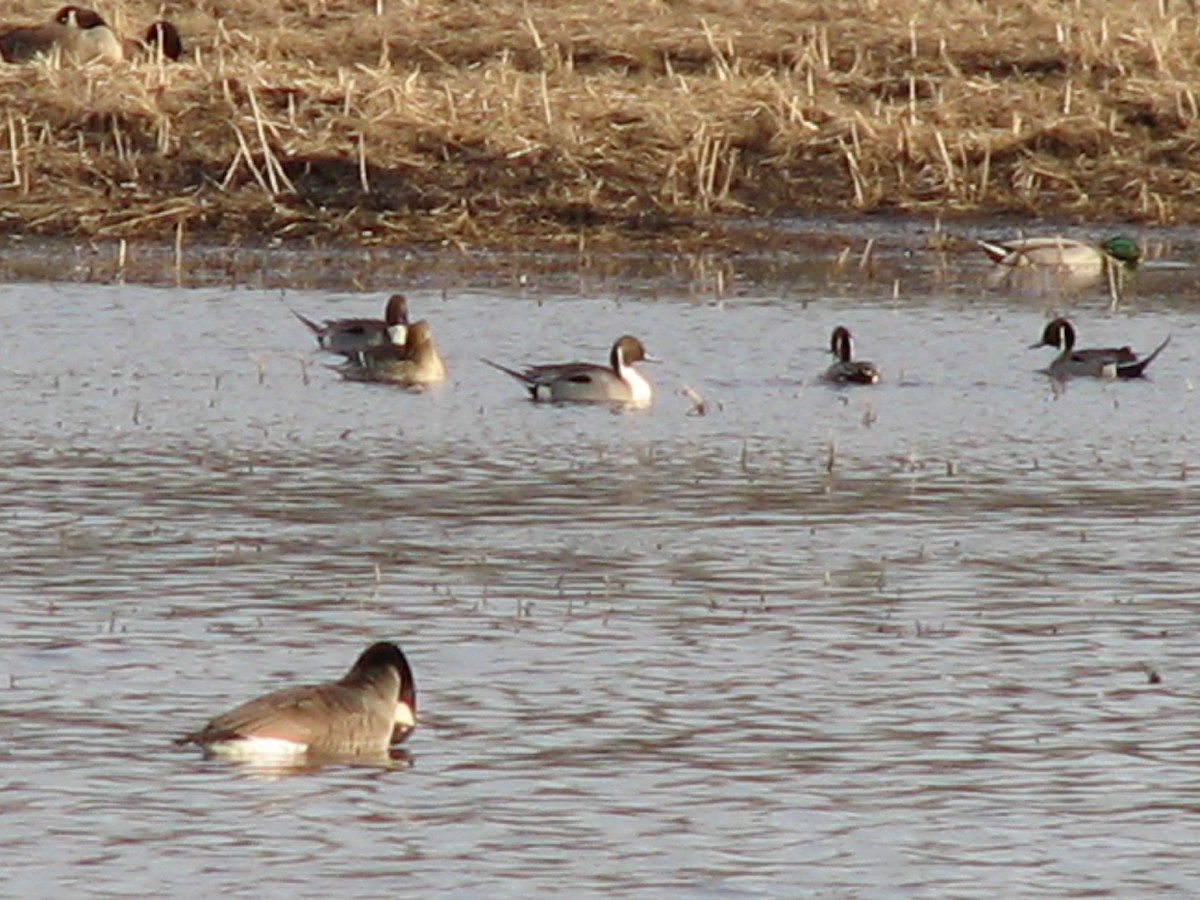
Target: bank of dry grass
[(531, 123)]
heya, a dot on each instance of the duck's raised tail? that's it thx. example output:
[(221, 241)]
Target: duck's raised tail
[(315, 328), (1138, 369), (995, 252), (520, 376)]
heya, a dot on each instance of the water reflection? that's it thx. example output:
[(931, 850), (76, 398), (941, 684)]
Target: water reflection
[(898, 635)]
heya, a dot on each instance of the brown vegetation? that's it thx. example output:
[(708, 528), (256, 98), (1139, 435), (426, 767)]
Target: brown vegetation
[(509, 123)]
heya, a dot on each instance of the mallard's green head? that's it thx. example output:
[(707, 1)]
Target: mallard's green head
[(1124, 250)]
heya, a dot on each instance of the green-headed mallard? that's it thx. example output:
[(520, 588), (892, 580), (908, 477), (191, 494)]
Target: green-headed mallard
[(1063, 253)]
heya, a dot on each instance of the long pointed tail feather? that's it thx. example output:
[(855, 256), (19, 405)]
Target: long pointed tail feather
[(1138, 369), (313, 326), (520, 376)]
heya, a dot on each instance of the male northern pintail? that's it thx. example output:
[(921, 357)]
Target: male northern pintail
[(1063, 254), (619, 382), (363, 714), (1101, 362), (847, 370), (414, 364), (349, 336), (77, 35)]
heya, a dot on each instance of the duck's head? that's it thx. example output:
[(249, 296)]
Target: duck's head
[(1057, 333), (78, 17), (385, 663), (396, 312), (419, 336), (626, 351), (1124, 250)]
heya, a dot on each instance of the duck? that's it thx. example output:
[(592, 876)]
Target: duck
[(415, 363), (1063, 254), (1102, 362), (362, 714), (352, 336), (847, 370), (618, 382), (77, 34)]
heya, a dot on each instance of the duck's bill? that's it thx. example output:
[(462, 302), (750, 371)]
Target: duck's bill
[(403, 723)]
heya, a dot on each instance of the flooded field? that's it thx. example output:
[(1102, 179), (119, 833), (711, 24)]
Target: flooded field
[(932, 637)]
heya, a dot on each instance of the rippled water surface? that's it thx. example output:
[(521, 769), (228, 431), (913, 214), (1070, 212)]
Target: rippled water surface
[(932, 638)]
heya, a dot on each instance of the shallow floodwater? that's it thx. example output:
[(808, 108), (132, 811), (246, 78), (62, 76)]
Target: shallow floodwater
[(936, 637)]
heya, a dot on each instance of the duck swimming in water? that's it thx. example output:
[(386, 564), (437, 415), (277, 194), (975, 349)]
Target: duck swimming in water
[(847, 370), (618, 382), (1100, 362)]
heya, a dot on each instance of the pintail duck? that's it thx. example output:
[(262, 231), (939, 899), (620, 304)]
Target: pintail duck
[(353, 336), (618, 382), (416, 363), (364, 713), (847, 370), (1102, 362), (1063, 254)]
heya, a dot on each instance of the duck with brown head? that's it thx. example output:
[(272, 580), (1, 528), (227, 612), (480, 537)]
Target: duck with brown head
[(353, 336), (414, 364), (619, 382), (372, 707), (848, 370), (1096, 362)]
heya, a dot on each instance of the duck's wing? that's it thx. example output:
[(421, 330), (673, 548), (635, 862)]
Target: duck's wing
[(578, 373), (358, 327), (1105, 355), (345, 336), (383, 362), (1059, 252), (852, 372), (1001, 252), (298, 715)]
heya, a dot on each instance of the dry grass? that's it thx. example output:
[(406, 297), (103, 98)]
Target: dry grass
[(505, 123)]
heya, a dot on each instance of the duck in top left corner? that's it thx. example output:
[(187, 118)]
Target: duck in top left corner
[(77, 36)]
